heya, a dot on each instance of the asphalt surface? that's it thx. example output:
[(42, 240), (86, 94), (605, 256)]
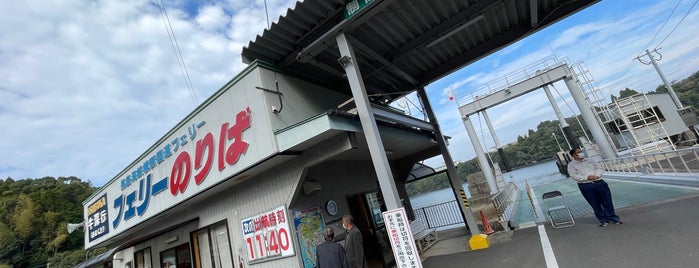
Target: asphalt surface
[(655, 235)]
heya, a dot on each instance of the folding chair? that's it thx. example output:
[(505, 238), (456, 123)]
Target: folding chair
[(558, 210)]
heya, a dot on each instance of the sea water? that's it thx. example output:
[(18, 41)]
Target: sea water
[(537, 174)]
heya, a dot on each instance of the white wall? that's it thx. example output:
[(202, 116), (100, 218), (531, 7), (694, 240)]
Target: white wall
[(301, 100)]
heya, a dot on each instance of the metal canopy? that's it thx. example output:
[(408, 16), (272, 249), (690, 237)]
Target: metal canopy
[(400, 45)]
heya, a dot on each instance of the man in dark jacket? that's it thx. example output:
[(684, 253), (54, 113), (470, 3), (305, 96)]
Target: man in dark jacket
[(354, 243), (330, 254)]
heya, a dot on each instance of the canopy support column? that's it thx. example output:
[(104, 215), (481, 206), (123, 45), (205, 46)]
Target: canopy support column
[(371, 132), (456, 185)]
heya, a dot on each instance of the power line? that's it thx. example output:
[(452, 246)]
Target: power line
[(664, 23), (678, 24), (176, 48), (654, 36)]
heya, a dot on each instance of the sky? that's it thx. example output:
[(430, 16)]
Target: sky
[(87, 86)]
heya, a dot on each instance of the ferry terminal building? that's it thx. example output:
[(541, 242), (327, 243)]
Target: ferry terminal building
[(299, 138)]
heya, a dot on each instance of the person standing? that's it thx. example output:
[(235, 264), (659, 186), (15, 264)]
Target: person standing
[(354, 243), (330, 254), (588, 175)]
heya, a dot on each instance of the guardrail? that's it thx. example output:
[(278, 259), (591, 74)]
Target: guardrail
[(440, 215), (449, 213), (683, 162), (505, 202)]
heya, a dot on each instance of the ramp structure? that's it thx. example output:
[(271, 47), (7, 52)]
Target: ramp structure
[(538, 75)]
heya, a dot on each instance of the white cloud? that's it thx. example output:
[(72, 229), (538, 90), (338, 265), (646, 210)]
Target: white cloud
[(87, 86), (212, 18)]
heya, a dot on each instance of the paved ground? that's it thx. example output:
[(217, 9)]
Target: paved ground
[(624, 194), (661, 234)]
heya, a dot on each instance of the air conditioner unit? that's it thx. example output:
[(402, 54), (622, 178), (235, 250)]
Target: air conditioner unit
[(311, 187)]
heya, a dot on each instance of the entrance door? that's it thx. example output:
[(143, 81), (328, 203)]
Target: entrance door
[(366, 209)]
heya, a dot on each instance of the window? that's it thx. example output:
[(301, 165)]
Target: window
[(142, 258), (637, 120), (211, 247), (375, 206), (176, 257), (646, 117)]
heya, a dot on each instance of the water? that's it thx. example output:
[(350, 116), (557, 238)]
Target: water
[(538, 174)]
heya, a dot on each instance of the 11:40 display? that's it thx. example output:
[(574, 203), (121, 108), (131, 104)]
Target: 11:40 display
[(267, 244)]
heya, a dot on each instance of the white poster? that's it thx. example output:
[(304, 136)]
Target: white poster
[(401, 237)]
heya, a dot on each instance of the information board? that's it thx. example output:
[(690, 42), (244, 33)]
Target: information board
[(310, 227), (401, 237), (267, 236)]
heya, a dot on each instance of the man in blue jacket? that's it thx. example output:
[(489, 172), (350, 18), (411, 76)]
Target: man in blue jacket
[(330, 254)]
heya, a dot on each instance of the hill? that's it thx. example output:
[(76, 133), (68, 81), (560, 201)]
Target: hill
[(33, 220)]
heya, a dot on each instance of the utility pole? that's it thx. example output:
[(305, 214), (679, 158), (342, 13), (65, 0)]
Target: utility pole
[(653, 61)]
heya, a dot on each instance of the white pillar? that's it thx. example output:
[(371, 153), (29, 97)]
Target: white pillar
[(565, 129), (485, 166), (501, 152), (366, 117), (561, 119), (491, 129), (590, 120)]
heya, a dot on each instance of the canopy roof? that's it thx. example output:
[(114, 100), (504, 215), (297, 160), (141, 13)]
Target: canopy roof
[(400, 45)]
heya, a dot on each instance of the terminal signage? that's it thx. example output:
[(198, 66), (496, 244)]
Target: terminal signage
[(267, 236), (401, 237), (97, 219), (223, 138), (354, 6)]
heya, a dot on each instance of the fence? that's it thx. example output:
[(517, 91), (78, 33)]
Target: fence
[(505, 202), (440, 215), (448, 213), (684, 162)]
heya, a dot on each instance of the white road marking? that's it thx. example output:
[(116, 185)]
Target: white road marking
[(548, 250)]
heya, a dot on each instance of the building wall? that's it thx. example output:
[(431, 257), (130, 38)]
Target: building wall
[(114, 201), (246, 197), (300, 100), (672, 123), (257, 194), (264, 192), (338, 180)]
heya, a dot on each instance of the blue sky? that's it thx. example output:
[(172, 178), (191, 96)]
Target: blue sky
[(87, 86)]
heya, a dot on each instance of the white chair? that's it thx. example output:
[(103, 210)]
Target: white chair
[(558, 210)]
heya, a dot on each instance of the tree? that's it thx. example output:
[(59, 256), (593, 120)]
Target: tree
[(624, 93), (33, 216)]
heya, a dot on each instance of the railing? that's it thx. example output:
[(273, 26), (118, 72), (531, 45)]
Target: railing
[(683, 162), (464, 96), (440, 215), (505, 202)]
